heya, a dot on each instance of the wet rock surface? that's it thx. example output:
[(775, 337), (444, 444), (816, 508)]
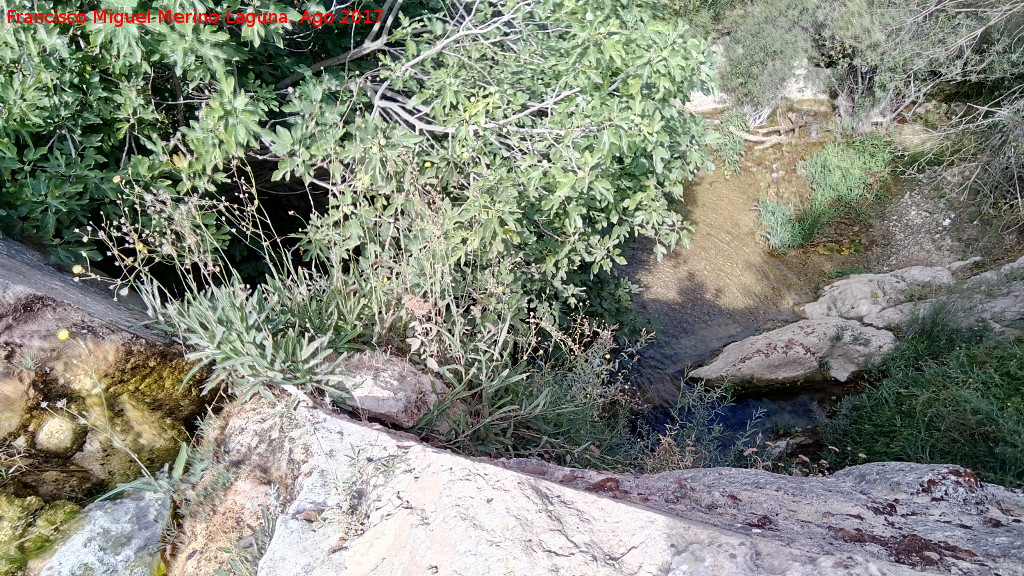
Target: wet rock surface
[(27, 527), (78, 370), (110, 538)]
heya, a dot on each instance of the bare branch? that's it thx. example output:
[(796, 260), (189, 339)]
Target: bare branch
[(370, 44)]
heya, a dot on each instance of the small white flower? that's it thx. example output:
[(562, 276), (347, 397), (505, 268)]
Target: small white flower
[(44, 404)]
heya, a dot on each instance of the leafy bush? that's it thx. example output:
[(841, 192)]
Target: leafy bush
[(562, 124), (82, 106), (945, 396), (766, 40)]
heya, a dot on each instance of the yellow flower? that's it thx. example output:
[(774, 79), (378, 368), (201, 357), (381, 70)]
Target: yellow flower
[(427, 164), (607, 356), (63, 335), (383, 278), (77, 269)]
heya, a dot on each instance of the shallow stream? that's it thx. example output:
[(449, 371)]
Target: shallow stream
[(728, 286)]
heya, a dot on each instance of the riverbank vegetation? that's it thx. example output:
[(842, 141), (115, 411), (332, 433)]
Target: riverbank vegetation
[(457, 183), (843, 176), (948, 395)]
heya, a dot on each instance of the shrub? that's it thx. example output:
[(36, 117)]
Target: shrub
[(695, 436), (945, 396), (766, 40), (563, 122)]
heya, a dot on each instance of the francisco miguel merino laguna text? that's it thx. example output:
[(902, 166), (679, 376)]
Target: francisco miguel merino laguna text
[(250, 19)]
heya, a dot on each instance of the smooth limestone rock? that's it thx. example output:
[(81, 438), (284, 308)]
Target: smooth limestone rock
[(861, 295), (110, 538), (59, 435), (389, 388), (993, 298), (897, 315), (79, 367), (1003, 274), (357, 499), (808, 349), (932, 518)]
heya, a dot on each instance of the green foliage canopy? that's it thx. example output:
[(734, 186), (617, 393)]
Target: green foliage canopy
[(557, 128)]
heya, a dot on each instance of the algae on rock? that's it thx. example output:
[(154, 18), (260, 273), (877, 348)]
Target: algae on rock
[(28, 527)]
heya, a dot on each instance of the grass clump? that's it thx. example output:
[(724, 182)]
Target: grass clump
[(947, 395), (843, 172), (841, 177), (786, 227)]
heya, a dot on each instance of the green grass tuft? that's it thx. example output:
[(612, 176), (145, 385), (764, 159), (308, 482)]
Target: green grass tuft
[(946, 396)]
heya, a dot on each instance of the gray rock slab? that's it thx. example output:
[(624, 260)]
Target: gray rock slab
[(808, 349), (861, 295), (362, 500)]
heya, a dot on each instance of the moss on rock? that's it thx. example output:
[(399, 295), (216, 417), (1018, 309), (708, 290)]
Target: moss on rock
[(154, 376), (28, 527)]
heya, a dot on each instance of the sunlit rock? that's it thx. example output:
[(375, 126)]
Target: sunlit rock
[(358, 499), (808, 349)]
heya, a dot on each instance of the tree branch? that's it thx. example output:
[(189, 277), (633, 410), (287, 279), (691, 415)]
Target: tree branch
[(369, 45)]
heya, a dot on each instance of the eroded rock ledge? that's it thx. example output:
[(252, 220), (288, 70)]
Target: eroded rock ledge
[(355, 498)]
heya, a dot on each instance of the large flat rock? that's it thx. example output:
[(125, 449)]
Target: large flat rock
[(356, 499)]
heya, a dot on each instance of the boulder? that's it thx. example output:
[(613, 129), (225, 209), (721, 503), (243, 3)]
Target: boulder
[(79, 370), (860, 295), (388, 388), (899, 314), (1004, 273), (808, 349), (110, 538), (355, 498)]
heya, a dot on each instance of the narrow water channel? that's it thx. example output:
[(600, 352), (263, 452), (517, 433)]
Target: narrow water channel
[(727, 285)]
